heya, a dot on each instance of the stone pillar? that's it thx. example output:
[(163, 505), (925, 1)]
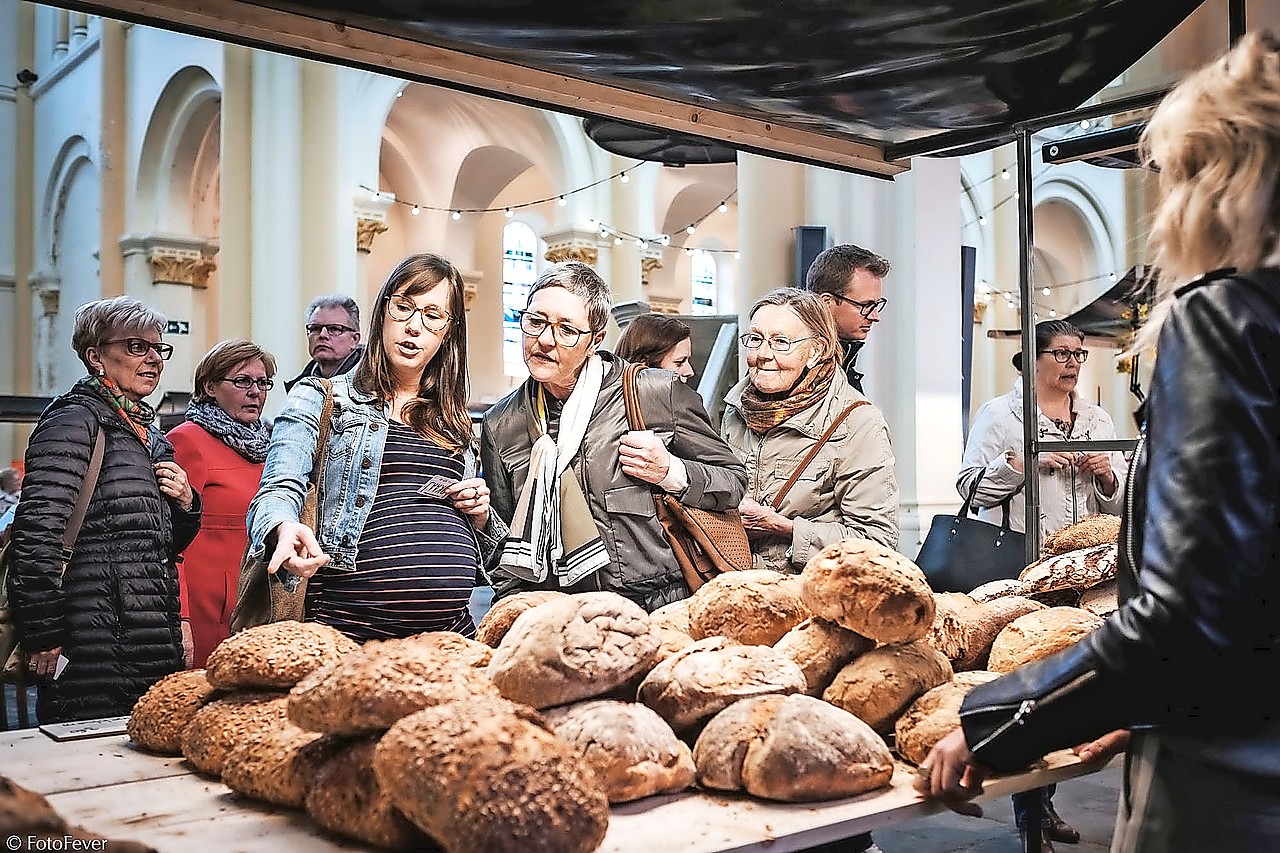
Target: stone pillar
[(916, 370), (328, 259), (113, 160), (235, 260), (770, 204)]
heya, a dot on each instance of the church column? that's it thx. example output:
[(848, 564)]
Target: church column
[(114, 166), (331, 248), (770, 204), (235, 255)]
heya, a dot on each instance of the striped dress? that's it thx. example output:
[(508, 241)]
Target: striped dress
[(416, 560)]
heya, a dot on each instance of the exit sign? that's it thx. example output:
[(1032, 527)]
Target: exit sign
[(178, 327)]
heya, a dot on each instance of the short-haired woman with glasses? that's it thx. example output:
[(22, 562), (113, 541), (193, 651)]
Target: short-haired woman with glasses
[(571, 478), (221, 445), (1072, 485), (106, 628), (793, 392), (404, 518)]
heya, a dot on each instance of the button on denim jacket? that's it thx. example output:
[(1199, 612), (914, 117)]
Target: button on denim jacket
[(350, 477)]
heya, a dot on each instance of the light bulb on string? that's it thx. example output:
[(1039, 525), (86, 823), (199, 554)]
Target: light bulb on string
[(665, 239), (562, 201), (737, 256), (457, 214), (617, 241), (982, 220), (1053, 313), (416, 210), (509, 213), (1112, 276), (1004, 174), (689, 252), (1046, 291), (639, 243), (723, 208), (690, 229), (624, 177)]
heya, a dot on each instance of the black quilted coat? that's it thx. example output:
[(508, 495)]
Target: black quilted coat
[(115, 613)]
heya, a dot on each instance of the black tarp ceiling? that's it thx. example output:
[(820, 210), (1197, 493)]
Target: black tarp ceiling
[(825, 81)]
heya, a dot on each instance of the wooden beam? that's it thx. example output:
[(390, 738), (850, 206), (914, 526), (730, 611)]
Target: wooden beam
[(351, 44)]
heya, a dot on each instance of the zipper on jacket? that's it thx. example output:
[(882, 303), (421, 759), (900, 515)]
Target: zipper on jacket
[(1129, 501), (1027, 706)]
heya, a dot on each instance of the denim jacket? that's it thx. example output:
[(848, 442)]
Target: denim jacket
[(349, 480)]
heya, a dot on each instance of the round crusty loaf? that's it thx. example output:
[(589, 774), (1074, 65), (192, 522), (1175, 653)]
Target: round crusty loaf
[(1039, 634), (820, 648), (276, 656), (466, 651), (487, 776), (273, 765), (1100, 529), (703, 679), (964, 630), (933, 714), (870, 589), (498, 620), (753, 607), (345, 798), (674, 615), (384, 680), (220, 725), (879, 685), (162, 713), (791, 748), (575, 648), (632, 750)]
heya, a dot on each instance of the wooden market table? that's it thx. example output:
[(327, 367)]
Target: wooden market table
[(106, 785)]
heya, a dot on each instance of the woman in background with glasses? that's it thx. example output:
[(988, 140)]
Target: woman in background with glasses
[(98, 634), (570, 477), (1072, 485), (793, 392), (404, 518), (221, 445)]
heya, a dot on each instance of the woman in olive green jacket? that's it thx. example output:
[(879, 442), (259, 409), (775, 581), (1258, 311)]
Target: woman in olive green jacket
[(792, 394)]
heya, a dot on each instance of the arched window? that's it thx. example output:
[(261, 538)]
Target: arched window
[(519, 248), (704, 283)]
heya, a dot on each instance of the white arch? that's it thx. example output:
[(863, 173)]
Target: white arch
[(172, 150), (1095, 217), (74, 154)]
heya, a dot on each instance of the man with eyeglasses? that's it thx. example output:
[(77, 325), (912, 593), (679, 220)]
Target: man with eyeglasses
[(850, 282), (333, 338)]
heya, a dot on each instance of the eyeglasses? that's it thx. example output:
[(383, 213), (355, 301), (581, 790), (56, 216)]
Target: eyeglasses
[(138, 346), (244, 383), (332, 328), (777, 343), (866, 309), (1062, 356), (433, 319), (534, 325)]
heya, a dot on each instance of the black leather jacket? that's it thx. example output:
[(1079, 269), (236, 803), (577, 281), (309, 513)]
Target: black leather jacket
[(1194, 646)]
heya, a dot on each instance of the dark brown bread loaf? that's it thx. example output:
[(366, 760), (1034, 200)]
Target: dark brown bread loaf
[(161, 715), (275, 656), (754, 607), (879, 685), (870, 589)]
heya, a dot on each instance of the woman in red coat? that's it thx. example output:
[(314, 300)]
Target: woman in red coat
[(222, 446)]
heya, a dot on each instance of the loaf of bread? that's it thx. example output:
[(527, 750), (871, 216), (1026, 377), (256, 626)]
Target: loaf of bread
[(1074, 570), (572, 649), (497, 621), (998, 588), (791, 748), (276, 656), (346, 799), (933, 714), (384, 680), (1039, 634), (753, 607), (820, 648), (964, 630), (697, 682), (161, 715), (1100, 529), (877, 687), (674, 616), (488, 776), (632, 750), (1101, 600), (451, 644), (223, 723), (870, 589), (275, 765)]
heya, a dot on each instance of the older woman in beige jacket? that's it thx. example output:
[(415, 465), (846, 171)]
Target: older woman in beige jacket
[(793, 393)]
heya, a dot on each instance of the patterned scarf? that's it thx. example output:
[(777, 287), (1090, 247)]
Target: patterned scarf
[(249, 440), (762, 412), (138, 415)]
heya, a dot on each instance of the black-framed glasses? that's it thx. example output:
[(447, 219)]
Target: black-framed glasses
[(334, 329), (1062, 356), (566, 335), (866, 309), (402, 310), (777, 343), (244, 383), (139, 346)]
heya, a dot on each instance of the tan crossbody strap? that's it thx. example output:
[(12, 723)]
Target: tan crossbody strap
[(76, 520), (813, 452), (310, 514), (630, 395)]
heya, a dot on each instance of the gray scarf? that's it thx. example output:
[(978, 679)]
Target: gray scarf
[(249, 440)]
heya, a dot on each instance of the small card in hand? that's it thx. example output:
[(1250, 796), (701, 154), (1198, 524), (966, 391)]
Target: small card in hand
[(436, 485)]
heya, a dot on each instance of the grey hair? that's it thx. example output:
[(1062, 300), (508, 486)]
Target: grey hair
[(582, 281), (809, 308), (7, 476), (336, 300), (105, 319)]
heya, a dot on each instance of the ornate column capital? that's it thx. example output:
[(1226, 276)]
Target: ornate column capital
[(470, 286), (174, 258), (664, 304), (648, 263), (46, 287), (572, 244), (371, 218)]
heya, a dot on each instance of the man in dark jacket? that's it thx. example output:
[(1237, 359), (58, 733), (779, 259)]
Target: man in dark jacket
[(333, 338), (850, 281)]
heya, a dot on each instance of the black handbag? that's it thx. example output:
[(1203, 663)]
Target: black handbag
[(962, 553)]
